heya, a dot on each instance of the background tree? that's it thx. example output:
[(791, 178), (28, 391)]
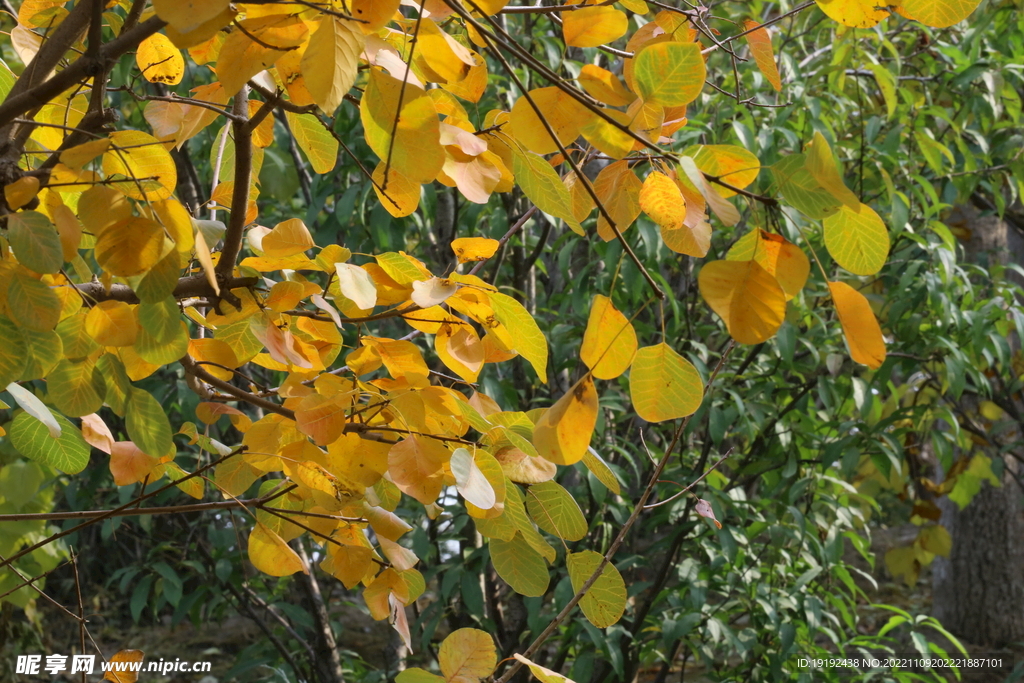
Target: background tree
[(337, 405)]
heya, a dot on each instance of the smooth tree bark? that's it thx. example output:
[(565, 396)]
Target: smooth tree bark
[(979, 590)]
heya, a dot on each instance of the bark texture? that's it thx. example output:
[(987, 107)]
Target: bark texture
[(979, 589)]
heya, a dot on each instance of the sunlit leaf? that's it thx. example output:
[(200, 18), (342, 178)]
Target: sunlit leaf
[(663, 385), (761, 50), (270, 554), (159, 60), (746, 297), (605, 601), (555, 511), (519, 565), (609, 342), (777, 255), (863, 334), (593, 26), (467, 654), (562, 435), (857, 239), (331, 60), (670, 74)]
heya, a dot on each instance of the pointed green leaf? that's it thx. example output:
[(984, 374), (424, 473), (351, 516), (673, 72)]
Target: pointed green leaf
[(542, 185)]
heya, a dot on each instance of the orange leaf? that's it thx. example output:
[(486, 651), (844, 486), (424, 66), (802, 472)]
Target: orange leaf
[(863, 334), (761, 50)]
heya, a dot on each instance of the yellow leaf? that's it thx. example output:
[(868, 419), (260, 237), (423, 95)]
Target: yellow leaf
[(111, 323), (322, 418), (761, 50), (528, 339), (320, 146), (729, 163), (822, 166), (670, 74), (604, 86), (474, 248), (857, 239), (593, 26), (130, 247), (782, 259), (331, 61), (543, 674), (159, 60), (562, 435), (78, 156), (938, 13), (217, 352), (460, 349), (935, 539), (468, 654), (863, 334), (662, 201), (609, 342), (446, 57), (612, 140), (240, 57), (270, 554), (470, 481), (398, 195), (205, 259), (746, 297), (417, 152), (356, 284), (144, 161), (288, 238), (203, 40), (618, 189), (416, 467), (855, 13), (21, 191), (186, 15), (724, 210), (663, 385), (523, 468), (377, 13), (605, 600), (563, 114)]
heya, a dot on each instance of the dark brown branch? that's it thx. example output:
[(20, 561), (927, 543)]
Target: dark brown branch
[(240, 192), (85, 67), (187, 287)]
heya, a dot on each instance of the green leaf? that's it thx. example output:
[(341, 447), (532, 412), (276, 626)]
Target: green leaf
[(32, 304), (319, 145), (160, 319), (15, 356), (857, 240), (153, 351), (887, 84), (44, 351), (544, 187), (69, 452), (520, 566), (158, 284), (530, 341), (74, 338), (556, 511), (35, 241), (7, 79), (599, 468), (417, 675), (823, 167), (670, 74), (515, 510), (801, 190), (605, 601), (76, 387), (663, 385), (147, 424)]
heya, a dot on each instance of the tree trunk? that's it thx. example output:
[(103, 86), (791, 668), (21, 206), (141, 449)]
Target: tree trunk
[(979, 590)]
